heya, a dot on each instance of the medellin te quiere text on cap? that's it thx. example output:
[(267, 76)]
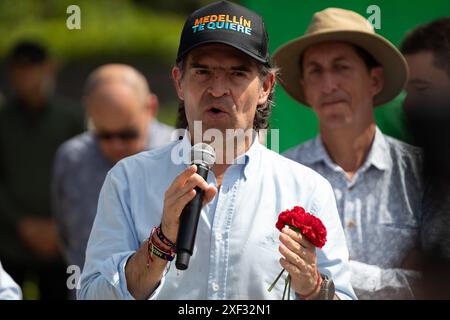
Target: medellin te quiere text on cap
[(223, 21)]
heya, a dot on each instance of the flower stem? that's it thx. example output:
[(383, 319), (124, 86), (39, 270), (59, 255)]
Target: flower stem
[(286, 281), (289, 288), (276, 280)]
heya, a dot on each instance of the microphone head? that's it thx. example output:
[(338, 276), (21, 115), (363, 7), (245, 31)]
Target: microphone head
[(203, 154)]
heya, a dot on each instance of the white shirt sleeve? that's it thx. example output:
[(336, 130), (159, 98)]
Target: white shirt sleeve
[(9, 290), (112, 242)]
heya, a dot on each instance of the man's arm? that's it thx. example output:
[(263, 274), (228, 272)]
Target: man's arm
[(142, 283), (303, 261), (117, 266), (373, 282)]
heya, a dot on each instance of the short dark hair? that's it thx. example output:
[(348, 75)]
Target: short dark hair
[(434, 37), (263, 112), (27, 53), (367, 58)]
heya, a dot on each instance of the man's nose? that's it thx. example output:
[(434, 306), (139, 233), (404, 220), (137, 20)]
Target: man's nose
[(329, 82), (219, 85), (117, 144)]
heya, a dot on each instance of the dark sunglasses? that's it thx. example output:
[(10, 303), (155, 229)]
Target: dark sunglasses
[(129, 134)]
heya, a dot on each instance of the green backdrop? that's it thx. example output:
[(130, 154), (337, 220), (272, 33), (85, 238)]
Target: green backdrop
[(288, 19)]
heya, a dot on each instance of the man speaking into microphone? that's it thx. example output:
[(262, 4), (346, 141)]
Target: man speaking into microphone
[(225, 83)]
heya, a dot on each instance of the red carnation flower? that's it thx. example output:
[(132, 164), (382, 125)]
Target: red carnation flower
[(308, 225)]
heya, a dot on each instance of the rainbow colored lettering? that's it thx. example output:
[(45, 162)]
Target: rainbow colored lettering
[(223, 21)]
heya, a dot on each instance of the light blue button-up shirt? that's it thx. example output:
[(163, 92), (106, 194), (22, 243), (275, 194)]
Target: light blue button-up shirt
[(236, 250)]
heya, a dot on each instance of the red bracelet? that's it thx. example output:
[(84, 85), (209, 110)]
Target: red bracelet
[(307, 296)]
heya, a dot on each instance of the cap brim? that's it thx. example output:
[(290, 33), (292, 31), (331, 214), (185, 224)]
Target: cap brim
[(395, 69), (228, 43)]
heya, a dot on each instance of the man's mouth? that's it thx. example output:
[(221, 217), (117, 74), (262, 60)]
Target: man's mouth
[(329, 103), (216, 112)]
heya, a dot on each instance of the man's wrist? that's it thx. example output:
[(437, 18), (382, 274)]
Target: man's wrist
[(314, 294)]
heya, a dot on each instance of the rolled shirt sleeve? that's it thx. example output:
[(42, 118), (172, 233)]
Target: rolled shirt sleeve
[(332, 259), (103, 276)]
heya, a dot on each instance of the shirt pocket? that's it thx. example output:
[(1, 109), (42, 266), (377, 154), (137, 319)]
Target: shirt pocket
[(395, 242)]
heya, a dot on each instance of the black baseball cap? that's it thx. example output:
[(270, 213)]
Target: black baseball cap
[(227, 23)]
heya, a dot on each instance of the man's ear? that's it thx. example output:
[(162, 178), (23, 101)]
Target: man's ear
[(266, 88), (377, 79), (152, 104), (176, 76)]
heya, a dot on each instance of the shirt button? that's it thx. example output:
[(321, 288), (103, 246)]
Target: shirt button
[(215, 286), (218, 236), (351, 224)]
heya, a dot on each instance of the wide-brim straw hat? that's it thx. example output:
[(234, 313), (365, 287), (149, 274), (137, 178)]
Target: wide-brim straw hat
[(335, 24)]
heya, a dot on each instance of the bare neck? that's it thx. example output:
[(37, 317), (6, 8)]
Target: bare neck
[(348, 147)]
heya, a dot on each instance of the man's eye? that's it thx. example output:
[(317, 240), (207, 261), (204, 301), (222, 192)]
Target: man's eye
[(202, 72), (314, 71), (342, 67), (420, 88), (238, 74)]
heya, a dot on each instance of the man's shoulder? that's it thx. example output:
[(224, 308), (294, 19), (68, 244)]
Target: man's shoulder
[(297, 170), (150, 158), (162, 127), (400, 150), (77, 147), (302, 152), (160, 134)]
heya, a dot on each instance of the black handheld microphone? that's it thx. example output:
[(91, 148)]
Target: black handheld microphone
[(203, 156)]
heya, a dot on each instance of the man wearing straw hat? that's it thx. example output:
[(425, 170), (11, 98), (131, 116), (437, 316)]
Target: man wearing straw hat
[(342, 69)]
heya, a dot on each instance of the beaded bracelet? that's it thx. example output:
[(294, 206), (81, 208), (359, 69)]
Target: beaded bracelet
[(156, 250), (163, 238), (161, 253)]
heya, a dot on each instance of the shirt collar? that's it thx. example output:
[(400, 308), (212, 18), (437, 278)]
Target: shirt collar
[(251, 158), (317, 153), (379, 155)]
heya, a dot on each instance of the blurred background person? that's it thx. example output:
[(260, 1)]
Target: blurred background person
[(121, 111), (9, 290), (427, 109), (33, 123), (2, 99)]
